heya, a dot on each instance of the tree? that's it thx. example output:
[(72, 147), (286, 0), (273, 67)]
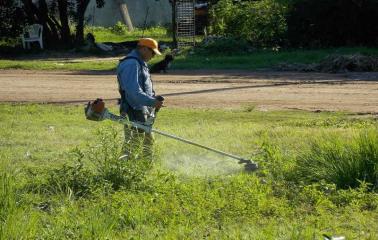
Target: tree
[(81, 7), (63, 15), (56, 30), (11, 20), (324, 23)]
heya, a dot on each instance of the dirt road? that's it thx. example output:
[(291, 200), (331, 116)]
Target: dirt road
[(355, 92)]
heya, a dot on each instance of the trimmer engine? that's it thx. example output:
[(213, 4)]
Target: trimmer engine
[(95, 110)]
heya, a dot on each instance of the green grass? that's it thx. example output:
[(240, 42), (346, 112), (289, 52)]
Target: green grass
[(346, 163), (199, 58), (261, 59), (103, 34), (58, 65), (56, 177), (253, 61)]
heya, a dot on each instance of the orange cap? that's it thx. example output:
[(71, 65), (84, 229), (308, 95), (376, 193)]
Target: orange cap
[(150, 43)]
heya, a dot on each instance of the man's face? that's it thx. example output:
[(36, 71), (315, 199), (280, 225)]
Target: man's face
[(147, 53)]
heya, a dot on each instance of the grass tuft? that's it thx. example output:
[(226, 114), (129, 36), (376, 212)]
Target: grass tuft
[(344, 162), (93, 168)]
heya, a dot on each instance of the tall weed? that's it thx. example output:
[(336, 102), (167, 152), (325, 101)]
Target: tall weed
[(13, 212), (104, 156), (7, 195), (97, 167), (344, 162), (72, 179), (274, 160)]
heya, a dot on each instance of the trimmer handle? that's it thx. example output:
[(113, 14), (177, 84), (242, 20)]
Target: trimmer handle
[(160, 98)]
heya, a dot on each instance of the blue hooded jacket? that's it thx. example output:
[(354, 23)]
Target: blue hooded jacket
[(135, 83)]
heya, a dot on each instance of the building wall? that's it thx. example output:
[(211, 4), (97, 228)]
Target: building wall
[(159, 13)]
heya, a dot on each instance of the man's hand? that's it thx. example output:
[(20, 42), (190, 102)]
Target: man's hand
[(159, 102)]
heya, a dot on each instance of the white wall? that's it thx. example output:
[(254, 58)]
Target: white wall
[(159, 12)]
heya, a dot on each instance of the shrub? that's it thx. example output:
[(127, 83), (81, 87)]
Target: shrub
[(224, 46), (104, 156), (260, 22), (73, 179), (95, 168), (119, 28), (346, 163), (324, 23)]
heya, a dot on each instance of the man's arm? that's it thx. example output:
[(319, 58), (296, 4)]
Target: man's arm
[(129, 80)]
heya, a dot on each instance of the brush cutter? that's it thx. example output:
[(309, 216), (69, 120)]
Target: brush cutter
[(96, 111)]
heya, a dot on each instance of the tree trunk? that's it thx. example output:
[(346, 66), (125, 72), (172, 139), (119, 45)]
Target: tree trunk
[(173, 3), (125, 15), (81, 8), (29, 9), (63, 15), (44, 16)]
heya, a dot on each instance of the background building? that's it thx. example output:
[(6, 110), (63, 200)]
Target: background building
[(154, 12)]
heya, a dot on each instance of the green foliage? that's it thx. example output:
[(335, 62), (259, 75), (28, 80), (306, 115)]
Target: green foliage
[(346, 163), (262, 23), (12, 211), (324, 23), (255, 59), (120, 33), (96, 167), (11, 19), (271, 158), (224, 46), (60, 193), (119, 28), (339, 122), (7, 193), (72, 179), (104, 155), (298, 23)]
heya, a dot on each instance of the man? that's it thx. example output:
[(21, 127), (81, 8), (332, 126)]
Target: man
[(138, 100)]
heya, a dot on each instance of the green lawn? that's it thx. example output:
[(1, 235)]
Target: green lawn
[(60, 177), (261, 59), (216, 58), (103, 34)]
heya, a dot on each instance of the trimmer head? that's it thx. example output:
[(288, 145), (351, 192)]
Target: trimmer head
[(249, 166)]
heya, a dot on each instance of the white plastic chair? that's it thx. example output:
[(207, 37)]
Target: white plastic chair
[(32, 33)]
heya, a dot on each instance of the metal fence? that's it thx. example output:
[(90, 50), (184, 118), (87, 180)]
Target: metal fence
[(185, 23)]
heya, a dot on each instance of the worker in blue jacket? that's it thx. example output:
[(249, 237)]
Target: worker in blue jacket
[(138, 100)]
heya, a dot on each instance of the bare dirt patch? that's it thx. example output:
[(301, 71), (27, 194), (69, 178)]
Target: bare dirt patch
[(354, 92)]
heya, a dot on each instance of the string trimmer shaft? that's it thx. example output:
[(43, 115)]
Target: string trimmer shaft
[(96, 111)]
